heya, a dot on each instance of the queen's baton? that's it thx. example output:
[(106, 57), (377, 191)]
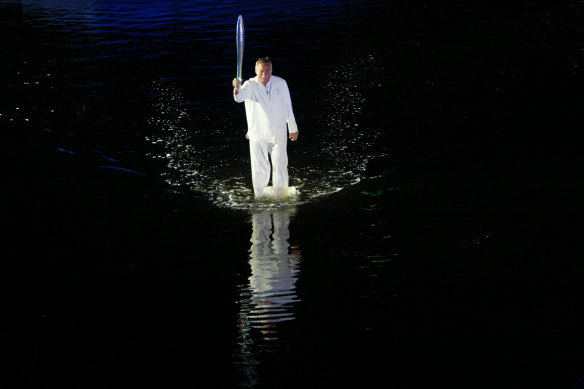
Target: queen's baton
[(239, 36)]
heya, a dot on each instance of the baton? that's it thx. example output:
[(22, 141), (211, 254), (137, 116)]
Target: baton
[(239, 38)]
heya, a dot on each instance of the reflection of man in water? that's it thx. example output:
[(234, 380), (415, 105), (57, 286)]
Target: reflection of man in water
[(268, 108), (273, 267), (269, 298)]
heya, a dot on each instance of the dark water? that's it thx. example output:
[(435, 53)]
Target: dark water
[(434, 240)]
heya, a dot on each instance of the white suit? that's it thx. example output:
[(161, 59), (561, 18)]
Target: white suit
[(269, 118)]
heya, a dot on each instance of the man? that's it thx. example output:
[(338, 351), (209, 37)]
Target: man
[(269, 120)]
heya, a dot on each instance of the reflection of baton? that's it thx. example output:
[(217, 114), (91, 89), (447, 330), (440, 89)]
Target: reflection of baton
[(239, 40)]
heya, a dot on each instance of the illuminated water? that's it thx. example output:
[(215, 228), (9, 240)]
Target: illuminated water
[(128, 175), (213, 160), (177, 58)]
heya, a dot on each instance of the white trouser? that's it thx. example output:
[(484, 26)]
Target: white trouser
[(260, 166)]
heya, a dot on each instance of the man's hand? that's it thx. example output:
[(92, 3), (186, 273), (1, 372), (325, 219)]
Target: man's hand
[(236, 85), (293, 136)]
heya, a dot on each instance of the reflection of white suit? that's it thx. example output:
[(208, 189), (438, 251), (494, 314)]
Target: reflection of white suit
[(273, 268), (269, 115)]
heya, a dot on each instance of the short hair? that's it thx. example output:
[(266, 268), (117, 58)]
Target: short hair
[(263, 60)]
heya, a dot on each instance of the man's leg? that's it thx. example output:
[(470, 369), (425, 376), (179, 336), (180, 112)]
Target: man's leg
[(260, 166), (279, 169)]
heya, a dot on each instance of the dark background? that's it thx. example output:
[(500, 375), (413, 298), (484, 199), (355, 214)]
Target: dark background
[(472, 197)]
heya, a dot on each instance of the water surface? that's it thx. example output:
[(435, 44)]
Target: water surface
[(129, 175)]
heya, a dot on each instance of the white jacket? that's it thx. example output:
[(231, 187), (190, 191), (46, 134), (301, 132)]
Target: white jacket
[(268, 109)]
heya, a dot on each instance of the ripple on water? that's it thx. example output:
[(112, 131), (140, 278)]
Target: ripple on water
[(206, 152)]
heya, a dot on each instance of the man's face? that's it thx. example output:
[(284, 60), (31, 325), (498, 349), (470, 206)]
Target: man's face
[(264, 72)]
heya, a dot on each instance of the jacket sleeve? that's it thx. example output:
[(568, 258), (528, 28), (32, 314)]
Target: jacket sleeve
[(244, 93), (290, 119)]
